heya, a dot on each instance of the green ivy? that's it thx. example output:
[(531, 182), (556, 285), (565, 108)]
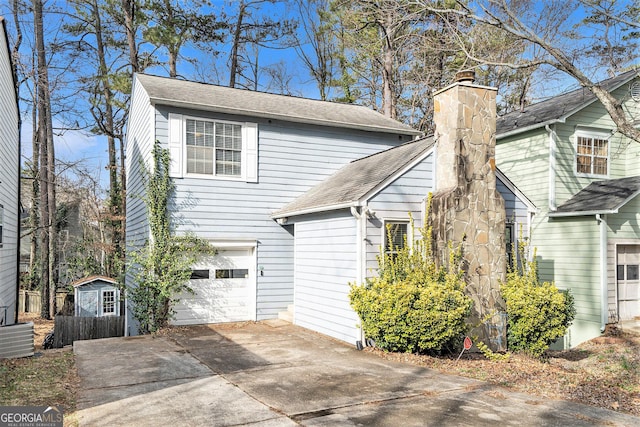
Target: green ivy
[(162, 267), (413, 305), (538, 313)]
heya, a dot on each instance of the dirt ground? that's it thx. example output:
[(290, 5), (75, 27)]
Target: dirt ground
[(603, 372)]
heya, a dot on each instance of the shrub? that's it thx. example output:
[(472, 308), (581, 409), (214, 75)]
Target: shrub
[(413, 305), (538, 313)]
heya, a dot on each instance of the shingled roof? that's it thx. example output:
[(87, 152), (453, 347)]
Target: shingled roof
[(357, 180), (556, 108), (187, 94), (600, 197)]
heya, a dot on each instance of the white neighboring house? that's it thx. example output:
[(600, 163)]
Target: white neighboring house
[(9, 185)]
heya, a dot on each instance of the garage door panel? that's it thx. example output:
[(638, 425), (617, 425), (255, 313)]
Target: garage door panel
[(222, 299)]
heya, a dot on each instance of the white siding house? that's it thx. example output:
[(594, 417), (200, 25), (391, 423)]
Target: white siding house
[(238, 156), (341, 224), (9, 185)]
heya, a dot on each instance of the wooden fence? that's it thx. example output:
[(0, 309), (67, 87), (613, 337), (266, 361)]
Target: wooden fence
[(71, 328), (30, 301)]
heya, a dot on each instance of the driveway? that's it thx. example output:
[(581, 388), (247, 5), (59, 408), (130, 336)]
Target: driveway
[(275, 374)]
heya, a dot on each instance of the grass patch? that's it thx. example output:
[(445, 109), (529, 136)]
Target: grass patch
[(46, 379)]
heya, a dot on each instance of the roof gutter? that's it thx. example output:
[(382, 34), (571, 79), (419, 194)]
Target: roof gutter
[(315, 209), (581, 213), (518, 131)]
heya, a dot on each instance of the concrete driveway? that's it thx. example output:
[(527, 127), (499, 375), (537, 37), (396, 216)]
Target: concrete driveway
[(276, 374)]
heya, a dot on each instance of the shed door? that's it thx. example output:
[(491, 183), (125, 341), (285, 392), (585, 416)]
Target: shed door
[(88, 303), (224, 290), (628, 272)]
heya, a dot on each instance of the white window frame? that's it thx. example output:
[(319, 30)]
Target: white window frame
[(391, 221), (116, 307), (178, 149), (591, 134), (1, 225)]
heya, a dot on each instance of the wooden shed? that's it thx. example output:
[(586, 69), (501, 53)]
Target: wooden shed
[(96, 296)]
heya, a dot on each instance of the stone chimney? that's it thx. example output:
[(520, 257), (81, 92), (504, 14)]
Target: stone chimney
[(466, 209)]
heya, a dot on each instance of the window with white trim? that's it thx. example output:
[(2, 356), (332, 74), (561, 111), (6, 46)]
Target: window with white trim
[(1, 224), (219, 149), (109, 301), (395, 236), (592, 153)]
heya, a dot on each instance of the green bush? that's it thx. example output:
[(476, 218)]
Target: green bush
[(538, 313), (413, 305)]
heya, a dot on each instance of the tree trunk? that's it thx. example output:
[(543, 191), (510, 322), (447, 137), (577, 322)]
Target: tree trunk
[(233, 69), (128, 7), (388, 96), (48, 248)]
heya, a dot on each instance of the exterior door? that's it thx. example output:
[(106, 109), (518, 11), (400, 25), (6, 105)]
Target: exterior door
[(628, 272)]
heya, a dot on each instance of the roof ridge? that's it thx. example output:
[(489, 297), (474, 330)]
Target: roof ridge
[(222, 87)]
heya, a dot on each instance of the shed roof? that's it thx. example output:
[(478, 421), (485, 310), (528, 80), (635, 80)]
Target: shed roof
[(91, 279), (357, 180), (188, 94), (600, 197), (556, 108)]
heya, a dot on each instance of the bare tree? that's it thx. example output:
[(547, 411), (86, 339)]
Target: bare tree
[(547, 27), (252, 29)]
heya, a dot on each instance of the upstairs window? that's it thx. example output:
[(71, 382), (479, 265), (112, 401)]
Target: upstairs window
[(592, 154), (213, 148), (203, 147)]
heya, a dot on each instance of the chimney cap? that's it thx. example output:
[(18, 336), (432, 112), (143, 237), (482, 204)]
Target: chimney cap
[(466, 76)]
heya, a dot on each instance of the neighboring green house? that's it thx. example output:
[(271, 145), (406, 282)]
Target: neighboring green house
[(565, 155)]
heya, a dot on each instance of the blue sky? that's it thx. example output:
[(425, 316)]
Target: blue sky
[(90, 150)]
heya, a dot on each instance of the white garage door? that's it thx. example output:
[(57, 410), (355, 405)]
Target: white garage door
[(224, 290)]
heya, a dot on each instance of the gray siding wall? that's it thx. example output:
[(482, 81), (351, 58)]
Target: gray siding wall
[(9, 163), (325, 264), (292, 158), (405, 195), (140, 139)]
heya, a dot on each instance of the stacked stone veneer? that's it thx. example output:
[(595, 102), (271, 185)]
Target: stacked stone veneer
[(467, 210)]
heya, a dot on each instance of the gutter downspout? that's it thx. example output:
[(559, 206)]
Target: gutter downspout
[(360, 233), (604, 304), (552, 168)]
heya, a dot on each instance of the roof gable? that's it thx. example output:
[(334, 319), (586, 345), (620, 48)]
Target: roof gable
[(358, 180), (182, 93), (555, 109), (600, 197)]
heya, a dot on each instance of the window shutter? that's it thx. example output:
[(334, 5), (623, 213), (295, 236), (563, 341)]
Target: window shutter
[(250, 139), (175, 145)]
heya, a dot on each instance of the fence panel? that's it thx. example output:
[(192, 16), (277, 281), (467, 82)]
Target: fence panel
[(30, 301), (70, 328)]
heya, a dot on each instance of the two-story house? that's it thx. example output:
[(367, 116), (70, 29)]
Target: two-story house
[(9, 185), (584, 177), (295, 194)]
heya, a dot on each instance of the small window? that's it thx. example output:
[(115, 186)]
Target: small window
[(199, 274), (592, 155), (395, 237), (240, 273), (1, 223), (108, 302), (509, 240), (632, 272)]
